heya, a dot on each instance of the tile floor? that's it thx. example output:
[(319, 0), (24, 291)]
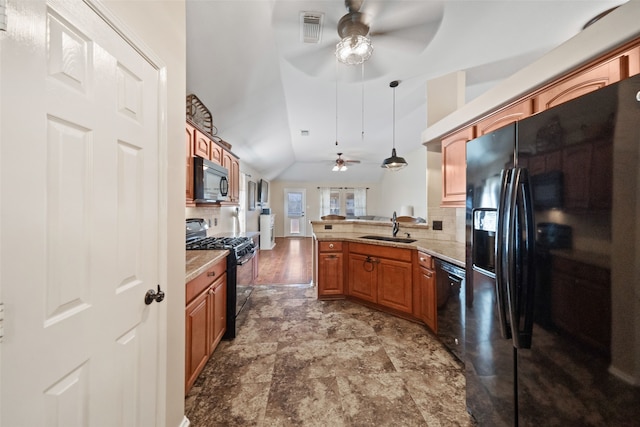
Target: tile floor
[(297, 361)]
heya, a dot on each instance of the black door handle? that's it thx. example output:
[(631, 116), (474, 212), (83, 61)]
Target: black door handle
[(152, 296)]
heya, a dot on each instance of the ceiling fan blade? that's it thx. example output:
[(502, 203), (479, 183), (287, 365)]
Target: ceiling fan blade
[(411, 39), (313, 60), (352, 161)]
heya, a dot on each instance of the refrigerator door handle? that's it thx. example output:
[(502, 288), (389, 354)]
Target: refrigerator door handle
[(521, 286), (501, 250)]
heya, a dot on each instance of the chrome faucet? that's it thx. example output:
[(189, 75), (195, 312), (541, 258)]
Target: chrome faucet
[(396, 227)]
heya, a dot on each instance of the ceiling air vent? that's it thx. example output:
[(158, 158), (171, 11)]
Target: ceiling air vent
[(311, 26)]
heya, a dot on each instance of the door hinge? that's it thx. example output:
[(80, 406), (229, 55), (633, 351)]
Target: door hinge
[(1, 319), (3, 15)]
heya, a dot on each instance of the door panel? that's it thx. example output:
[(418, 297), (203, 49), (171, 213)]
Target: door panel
[(80, 133), (295, 202)]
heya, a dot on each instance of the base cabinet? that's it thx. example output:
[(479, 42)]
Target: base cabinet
[(330, 269), (205, 319), (381, 275), (428, 307)]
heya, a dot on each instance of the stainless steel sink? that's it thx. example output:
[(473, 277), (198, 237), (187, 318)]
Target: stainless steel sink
[(389, 239)]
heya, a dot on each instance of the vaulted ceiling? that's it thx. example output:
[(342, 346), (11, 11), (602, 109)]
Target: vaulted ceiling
[(275, 98)]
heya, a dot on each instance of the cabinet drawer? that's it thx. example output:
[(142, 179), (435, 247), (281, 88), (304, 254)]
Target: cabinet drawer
[(200, 283), (329, 246), (381, 251), (425, 260)]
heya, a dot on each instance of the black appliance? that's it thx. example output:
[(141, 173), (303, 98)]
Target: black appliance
[(450, 294), (210, 181), (551, 338), (241, 251)]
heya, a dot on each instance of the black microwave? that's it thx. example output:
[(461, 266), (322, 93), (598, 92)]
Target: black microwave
[(210, 181)]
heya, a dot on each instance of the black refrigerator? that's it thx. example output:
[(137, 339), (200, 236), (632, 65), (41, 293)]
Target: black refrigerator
[(552, 318)]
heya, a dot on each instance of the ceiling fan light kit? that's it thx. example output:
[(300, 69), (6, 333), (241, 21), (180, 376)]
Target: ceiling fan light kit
[(394, 162), (354, 46), (354, 50)]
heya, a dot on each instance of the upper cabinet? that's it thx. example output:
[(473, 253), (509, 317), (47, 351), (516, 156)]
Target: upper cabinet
[(454, 168), (591, 79), (519, 111), (201, 145), (616, 65), (189, 144), (232, 164)]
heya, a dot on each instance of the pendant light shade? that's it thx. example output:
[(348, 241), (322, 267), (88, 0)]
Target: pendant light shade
[(394, 162)]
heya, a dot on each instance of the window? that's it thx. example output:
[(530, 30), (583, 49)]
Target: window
[(350, 202)]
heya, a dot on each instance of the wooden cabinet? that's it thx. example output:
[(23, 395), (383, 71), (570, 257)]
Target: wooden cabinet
[(454, 168), (504, 117), (215, 153), (587, 81), (189, 144), (428, 299), (202, 144), (231, 163), (362, 277), (581, 301), (330, 269), (382, 275), (205, 318)]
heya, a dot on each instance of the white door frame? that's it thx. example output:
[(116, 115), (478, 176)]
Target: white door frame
[(302, 219), (162, 175)]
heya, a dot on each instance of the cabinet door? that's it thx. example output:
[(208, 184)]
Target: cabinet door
[(219, 314), (428, 298), (395, 285), (189, 143), (196, 337), (454, 168), (234, 180), (231, 163), (202, 144), (215, 153), (588, 81), (505, 117), (362, 277), (330, 274)]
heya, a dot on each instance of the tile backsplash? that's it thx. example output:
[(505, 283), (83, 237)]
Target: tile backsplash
[(220, 219)]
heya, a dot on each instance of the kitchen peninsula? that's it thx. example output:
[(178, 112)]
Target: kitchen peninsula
[(363, 261)]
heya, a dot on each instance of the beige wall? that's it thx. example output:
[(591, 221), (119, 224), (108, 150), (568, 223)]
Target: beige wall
[(160, 25)]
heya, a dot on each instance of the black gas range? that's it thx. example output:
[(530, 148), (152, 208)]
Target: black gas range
[(241, 251), (243, 248)]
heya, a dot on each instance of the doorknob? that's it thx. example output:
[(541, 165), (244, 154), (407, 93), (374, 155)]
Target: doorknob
[(152, 296)]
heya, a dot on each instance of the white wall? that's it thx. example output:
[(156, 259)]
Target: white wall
[(161, 26), (406, 186)]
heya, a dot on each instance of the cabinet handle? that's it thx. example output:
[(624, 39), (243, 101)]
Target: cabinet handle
[(332, 256), (211, 274), (330, 245)]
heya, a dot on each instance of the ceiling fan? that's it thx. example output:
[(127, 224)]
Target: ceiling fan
[(397, 31), (341, 164)]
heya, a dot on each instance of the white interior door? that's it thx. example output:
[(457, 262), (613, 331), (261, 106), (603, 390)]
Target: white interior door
[(295, 203), (79, 248)]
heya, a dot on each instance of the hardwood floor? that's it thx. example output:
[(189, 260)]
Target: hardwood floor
[(288, 263)]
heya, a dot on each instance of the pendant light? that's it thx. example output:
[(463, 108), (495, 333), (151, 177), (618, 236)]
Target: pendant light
[(394, 162)]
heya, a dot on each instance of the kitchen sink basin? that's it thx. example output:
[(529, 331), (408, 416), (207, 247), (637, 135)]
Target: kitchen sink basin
[(389, 239)]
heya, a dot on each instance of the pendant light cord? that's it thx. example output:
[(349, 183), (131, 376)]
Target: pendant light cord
[(336, 102), (362, 124), (394, 117)]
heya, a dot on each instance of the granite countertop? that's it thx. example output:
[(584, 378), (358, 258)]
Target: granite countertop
[(453, 252), (197, 262)]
